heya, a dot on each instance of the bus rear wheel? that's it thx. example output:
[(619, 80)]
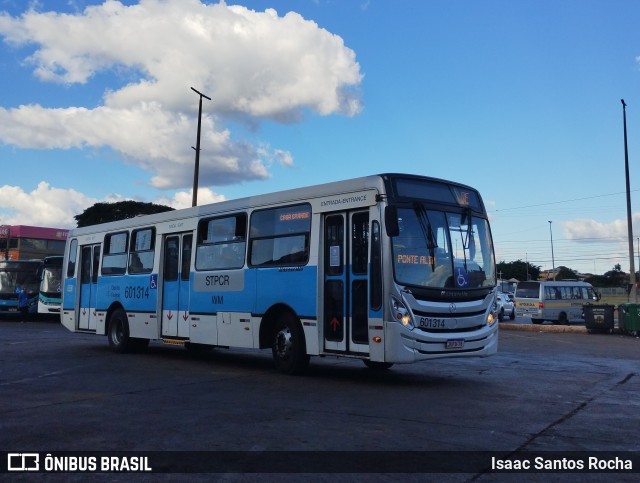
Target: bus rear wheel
[(118, 334), (288, 349)]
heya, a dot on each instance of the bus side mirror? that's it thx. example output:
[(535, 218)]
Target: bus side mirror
[(391, 221)]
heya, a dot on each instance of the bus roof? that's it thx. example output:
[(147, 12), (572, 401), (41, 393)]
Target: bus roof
[(336, 188), (17, 263)]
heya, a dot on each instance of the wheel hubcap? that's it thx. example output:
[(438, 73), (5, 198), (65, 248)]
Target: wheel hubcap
[(283, 343), (116, 331)]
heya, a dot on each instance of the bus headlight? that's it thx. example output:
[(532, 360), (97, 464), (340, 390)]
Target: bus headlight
[(400, 313), (491, 318)]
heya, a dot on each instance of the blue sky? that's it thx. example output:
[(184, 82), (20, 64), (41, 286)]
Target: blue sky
[(520, 99)]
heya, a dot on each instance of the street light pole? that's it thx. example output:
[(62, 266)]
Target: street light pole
[(553, 260), (196, 170), (632, 268)]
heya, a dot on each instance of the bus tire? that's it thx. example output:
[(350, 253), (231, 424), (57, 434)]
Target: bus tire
[(377, 366), (118, 334), (288, 345), (562, 319), (537, 321)]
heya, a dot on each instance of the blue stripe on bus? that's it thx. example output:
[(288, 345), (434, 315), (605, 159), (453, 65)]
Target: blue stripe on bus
[(263, 287)]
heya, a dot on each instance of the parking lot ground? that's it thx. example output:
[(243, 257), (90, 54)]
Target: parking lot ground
[(544, 391)]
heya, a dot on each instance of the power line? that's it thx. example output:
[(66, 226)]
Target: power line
[(560, 202)]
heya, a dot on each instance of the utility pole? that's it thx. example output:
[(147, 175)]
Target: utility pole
[(553, 260), (632, 268), (196, 170)]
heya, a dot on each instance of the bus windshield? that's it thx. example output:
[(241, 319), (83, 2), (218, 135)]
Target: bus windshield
[(51, 279), (439, 249), (18, 274)]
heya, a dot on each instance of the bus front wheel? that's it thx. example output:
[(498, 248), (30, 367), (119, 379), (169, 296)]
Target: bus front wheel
[(288, 349)]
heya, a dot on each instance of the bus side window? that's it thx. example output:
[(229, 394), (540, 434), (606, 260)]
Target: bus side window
[(221, 242), (280, 236), (85, 270), (114, 259), (171, 257), (73, 255), (375, 295), (142, 251), (185, 268)]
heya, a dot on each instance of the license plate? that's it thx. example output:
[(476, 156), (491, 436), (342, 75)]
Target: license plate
[(454, 344)]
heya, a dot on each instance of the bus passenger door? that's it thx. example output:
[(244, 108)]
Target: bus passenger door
[(89, 263), (175, 284), (346, 282)]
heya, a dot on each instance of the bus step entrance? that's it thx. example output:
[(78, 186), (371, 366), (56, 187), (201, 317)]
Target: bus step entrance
[(180, 342)]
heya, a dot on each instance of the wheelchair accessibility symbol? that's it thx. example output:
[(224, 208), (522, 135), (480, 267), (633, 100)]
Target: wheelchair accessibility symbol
[(153, 282), (462, 279)]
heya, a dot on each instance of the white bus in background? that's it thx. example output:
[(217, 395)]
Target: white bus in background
[(50, 296), (558, 302), (388, 269)]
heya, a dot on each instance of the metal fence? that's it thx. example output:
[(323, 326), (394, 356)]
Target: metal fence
[(611, 290)]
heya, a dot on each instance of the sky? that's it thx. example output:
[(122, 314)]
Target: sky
[(519, 99)]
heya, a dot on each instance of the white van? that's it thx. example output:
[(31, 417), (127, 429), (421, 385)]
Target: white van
[(557, 302)]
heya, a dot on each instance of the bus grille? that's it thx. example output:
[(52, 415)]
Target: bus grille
[(475, 319)]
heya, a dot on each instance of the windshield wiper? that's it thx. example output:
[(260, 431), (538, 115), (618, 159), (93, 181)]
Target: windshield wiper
[(468, 236), (427, 231)]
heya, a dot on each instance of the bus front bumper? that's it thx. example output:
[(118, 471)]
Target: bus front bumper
[(406, 346)]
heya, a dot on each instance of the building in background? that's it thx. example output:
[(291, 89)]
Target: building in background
[(22, 242)]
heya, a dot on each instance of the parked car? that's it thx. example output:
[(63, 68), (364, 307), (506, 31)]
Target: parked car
[(505, 306)]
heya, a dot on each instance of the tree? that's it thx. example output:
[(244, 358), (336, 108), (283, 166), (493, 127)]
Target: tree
[(612, 278), (565, 273), (518, 270), (121, 210)]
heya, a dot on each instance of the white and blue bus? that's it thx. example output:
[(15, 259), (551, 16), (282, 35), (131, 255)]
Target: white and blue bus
[(50, 296), (16, 275), (389, 268)]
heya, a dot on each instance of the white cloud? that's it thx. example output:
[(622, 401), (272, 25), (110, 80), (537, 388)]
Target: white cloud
[(590, 231), (184, 199), (44, 206), (56, 208), (254, 66)]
